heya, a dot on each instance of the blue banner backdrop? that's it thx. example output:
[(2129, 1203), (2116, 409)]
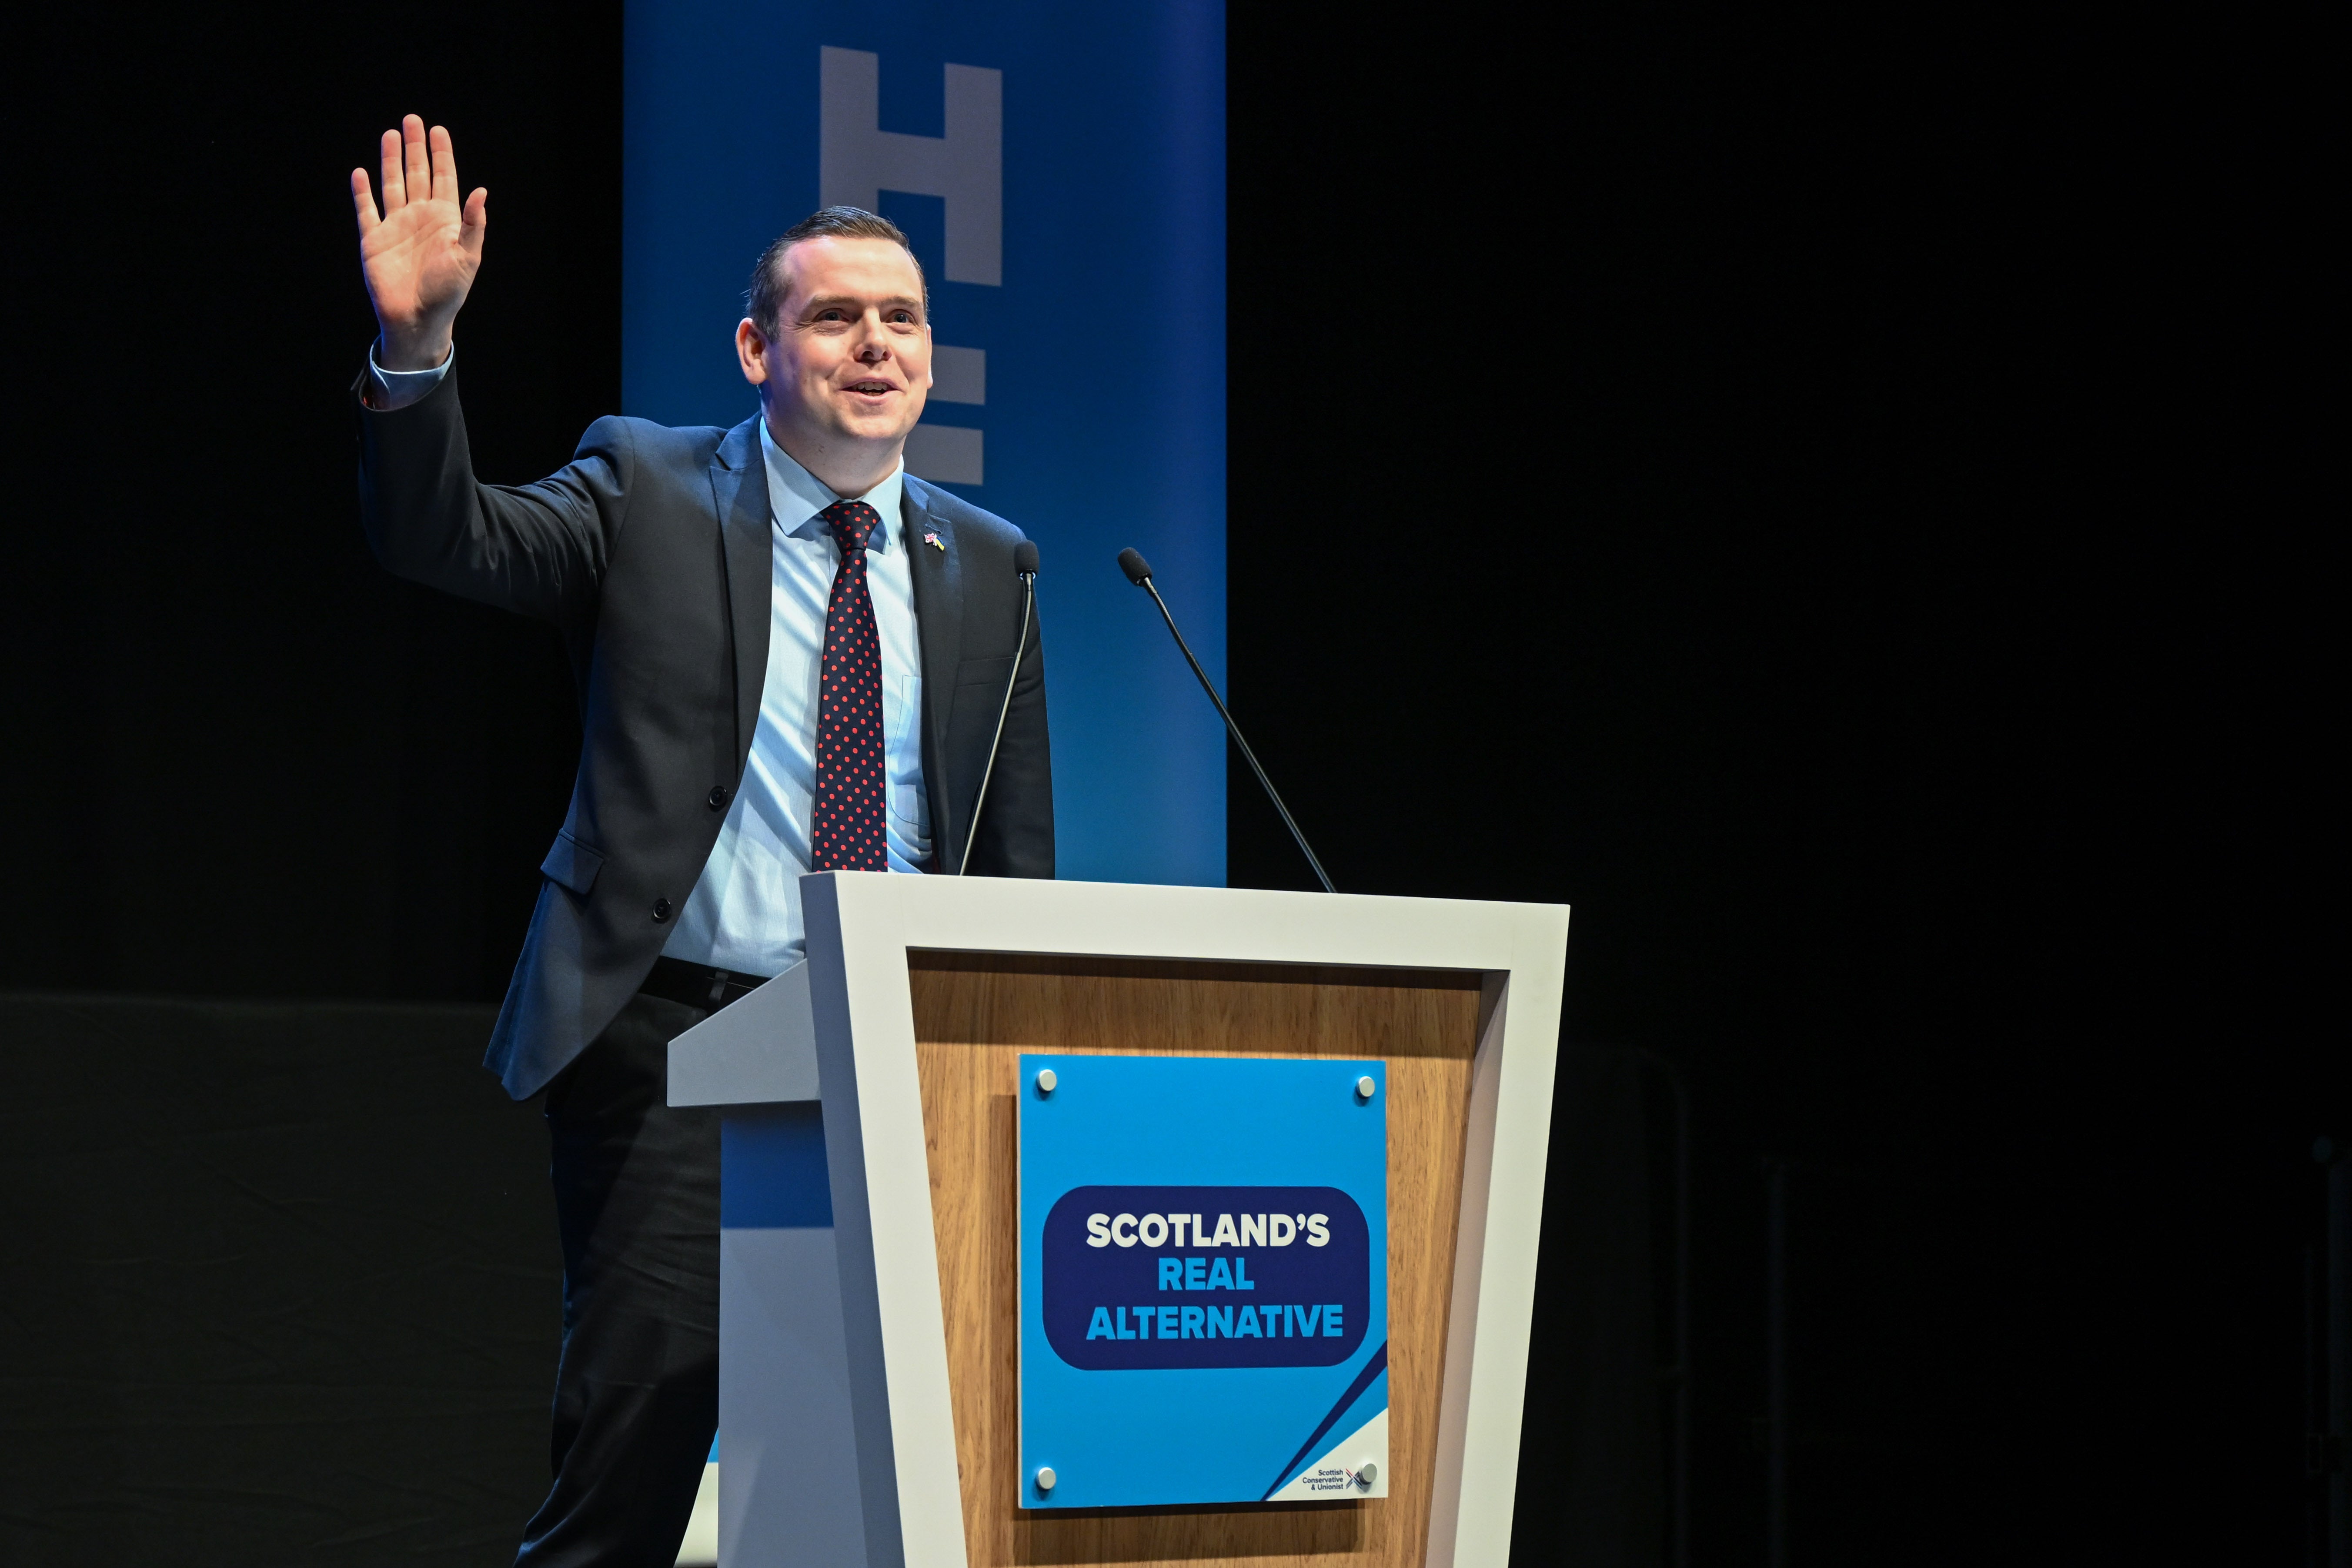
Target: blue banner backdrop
[(1060, 168)]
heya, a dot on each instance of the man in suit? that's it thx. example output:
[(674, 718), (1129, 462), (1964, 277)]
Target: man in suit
[(791, 656)]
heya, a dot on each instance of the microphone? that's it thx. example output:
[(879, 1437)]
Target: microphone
[(1024, 566), (1138, 571)]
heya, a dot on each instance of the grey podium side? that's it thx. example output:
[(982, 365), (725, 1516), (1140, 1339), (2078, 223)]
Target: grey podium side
[(761, 1051), (789, 1490)]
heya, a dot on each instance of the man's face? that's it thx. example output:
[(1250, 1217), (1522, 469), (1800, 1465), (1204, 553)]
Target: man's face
[(851, 363)]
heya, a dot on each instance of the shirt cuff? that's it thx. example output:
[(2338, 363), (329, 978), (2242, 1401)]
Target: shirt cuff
[(399, 388)]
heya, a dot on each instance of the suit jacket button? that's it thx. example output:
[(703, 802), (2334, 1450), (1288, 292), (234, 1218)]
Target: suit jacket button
[(661, 911), (717, 798)]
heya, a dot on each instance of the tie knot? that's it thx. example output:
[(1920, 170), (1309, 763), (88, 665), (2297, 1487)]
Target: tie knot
[(853, 523)]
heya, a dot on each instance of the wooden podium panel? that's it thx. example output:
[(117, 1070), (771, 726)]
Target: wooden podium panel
[(975, 1012)]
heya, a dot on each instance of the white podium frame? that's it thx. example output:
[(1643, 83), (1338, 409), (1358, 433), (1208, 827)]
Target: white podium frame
[(840, 1029)]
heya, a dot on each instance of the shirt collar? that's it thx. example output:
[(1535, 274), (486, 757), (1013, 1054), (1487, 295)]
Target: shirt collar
[(796, 496)]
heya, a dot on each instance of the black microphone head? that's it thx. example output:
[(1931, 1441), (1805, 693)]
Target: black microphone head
[(1025, 559), (1132, 562)]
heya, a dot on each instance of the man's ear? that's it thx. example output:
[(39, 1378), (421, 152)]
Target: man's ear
[(752, 351)]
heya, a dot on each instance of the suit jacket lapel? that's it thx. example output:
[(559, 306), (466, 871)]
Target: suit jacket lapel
[(738, 484), (938, 575)]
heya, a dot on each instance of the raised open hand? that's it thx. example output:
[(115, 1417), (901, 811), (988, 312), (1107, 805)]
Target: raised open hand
[(420, 256)]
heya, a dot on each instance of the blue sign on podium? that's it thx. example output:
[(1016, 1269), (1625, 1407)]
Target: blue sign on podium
[(1203, 1281)]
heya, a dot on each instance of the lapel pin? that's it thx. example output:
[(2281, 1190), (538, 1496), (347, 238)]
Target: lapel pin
[(933, 540)]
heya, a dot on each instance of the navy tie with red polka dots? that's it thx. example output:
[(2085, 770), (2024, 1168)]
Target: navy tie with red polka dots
[(845, 828)]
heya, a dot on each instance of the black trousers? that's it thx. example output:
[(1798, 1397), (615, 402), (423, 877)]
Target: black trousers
[(636, 1395)]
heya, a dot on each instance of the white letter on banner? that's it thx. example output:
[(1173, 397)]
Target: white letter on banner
[(857, 160), (947, 453), (959, 375)]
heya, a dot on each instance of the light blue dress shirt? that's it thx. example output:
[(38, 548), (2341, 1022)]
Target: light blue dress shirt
[(744, 914)]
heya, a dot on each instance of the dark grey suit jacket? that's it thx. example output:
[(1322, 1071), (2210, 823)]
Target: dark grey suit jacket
[(651, 551)]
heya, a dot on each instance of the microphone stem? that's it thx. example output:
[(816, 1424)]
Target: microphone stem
[(1028, 607), (1236, 732)]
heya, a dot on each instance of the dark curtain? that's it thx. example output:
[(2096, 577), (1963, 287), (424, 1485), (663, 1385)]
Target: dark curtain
[(1591, 1484), (280, 1286)]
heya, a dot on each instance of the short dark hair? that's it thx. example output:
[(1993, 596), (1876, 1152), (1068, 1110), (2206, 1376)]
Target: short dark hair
[(764, 300)]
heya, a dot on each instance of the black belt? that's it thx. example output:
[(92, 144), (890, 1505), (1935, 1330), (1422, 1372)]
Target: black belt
[(698, 984)]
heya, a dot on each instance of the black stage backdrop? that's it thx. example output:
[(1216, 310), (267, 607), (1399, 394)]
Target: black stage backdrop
[(1835, 496), (281, 1288)]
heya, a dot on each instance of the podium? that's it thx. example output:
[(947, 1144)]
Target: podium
[(871, 1286)]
